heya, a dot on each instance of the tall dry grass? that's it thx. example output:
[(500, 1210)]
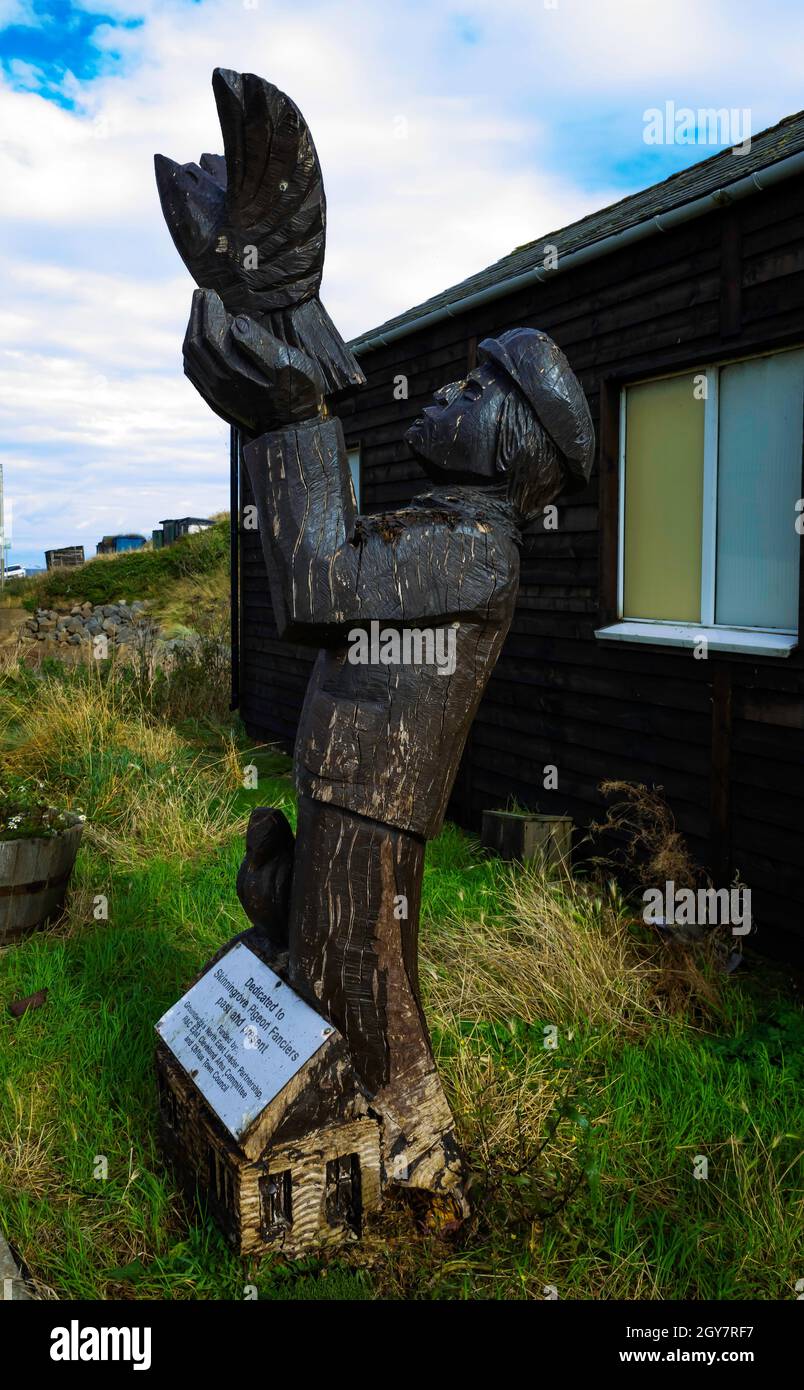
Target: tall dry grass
[(560, 950), (562, 953), (92, 740)]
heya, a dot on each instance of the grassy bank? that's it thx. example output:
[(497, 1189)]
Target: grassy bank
[(582, 1154), (166, 577)]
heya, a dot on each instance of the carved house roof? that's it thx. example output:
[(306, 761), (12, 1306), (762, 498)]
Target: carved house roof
[(323, 1093)]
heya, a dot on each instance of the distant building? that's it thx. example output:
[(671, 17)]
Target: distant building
[(65, 558), (115, 545), (173, 529)]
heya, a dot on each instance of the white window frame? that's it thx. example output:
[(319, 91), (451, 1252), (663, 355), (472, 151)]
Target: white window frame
[(665, 632)]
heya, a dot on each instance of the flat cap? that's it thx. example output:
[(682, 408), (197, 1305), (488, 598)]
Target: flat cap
[(545, 378)]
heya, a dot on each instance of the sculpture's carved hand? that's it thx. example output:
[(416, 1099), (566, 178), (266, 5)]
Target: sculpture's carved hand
[(245, 374)]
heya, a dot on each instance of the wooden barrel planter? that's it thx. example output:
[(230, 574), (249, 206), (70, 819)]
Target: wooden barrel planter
[(34, 873)]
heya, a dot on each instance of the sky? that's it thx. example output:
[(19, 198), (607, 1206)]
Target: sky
[(448, 134)]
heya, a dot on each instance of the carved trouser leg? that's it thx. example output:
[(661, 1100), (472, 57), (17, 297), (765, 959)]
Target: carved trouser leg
[(354, 921)]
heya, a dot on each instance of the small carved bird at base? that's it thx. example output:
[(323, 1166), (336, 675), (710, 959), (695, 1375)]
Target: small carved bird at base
[(266, 873)]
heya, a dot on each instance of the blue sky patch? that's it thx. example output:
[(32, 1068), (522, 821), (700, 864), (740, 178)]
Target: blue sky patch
[(61, 38)]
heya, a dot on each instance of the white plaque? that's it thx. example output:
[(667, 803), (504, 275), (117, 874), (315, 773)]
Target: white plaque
[(241, 1033)]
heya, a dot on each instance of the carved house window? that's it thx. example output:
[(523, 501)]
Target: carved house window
[(343, 1195), (276, 1203)]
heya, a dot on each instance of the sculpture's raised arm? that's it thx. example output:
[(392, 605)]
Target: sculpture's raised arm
[(331, 569), (328, 568)]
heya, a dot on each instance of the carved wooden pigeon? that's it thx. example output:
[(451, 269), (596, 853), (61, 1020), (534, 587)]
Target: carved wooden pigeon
[(251, 224), (265, 875)]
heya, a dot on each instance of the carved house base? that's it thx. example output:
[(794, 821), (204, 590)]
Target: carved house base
[(305, 1174)]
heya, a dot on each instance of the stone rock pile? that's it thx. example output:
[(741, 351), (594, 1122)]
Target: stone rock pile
[(121, 622)]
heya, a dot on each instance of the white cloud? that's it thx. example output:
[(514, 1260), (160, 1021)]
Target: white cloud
[(17, 12)]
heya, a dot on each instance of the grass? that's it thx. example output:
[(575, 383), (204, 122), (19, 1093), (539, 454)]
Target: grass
[(587, 1066), (177, 608), (158, 575)]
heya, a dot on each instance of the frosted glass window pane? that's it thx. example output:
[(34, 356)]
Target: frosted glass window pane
[(664, 441), (759, 481)]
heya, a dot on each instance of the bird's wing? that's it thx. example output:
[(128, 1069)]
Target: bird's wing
[(274, 189)]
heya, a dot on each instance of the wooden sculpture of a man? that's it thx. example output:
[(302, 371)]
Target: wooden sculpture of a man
[(379, 741)]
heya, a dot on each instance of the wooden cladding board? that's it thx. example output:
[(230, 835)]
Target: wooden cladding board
[(724, 737)]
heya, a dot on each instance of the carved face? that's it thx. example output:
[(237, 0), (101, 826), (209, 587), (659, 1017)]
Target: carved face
[(457, 434)]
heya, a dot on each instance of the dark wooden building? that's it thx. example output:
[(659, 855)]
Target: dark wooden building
[(681, 309), (171, 530), (67, 557)]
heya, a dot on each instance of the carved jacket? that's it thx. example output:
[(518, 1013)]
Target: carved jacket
[(382, 740)]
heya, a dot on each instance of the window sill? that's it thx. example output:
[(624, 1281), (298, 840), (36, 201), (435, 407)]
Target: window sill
[(718, 639)]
